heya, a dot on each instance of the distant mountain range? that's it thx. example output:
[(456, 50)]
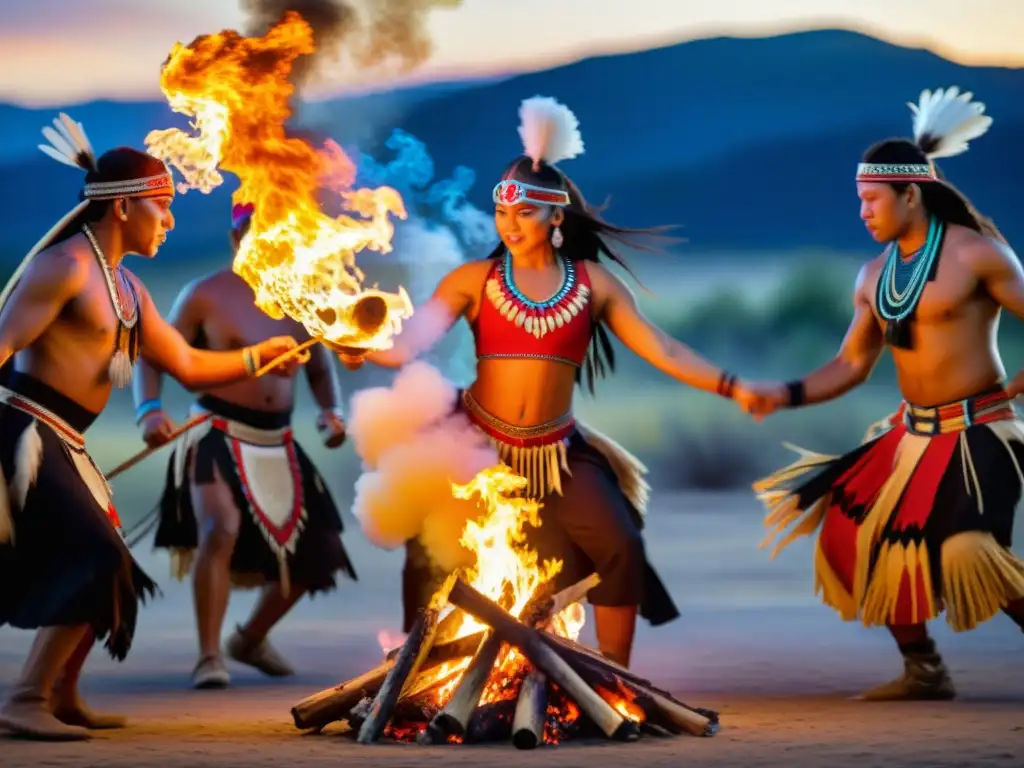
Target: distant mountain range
[(747, 144)]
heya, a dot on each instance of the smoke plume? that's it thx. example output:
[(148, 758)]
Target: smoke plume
[(368, 34), (413, 448)]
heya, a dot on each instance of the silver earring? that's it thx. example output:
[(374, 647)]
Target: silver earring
[(556, 237)]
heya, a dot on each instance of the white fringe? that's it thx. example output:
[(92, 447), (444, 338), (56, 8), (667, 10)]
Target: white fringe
[(27, 459)]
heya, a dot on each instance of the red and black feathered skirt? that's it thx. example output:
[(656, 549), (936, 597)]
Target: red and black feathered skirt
[(916, 520)]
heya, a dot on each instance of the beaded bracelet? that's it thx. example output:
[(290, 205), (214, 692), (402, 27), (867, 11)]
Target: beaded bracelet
[(250, 359), (147, 407), (726, 382), (797, 393)]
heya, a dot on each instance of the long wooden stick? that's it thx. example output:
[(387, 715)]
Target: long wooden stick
[(529, 641), (197, 420)]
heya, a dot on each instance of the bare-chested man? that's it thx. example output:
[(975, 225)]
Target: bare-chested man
[(74, 321), (919, 518), (240, 490)]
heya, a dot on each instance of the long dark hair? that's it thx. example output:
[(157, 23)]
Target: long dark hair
[(940, 198), (588, 237), (118, 164)]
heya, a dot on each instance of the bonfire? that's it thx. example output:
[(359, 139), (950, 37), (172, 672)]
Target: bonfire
[(494, 656)]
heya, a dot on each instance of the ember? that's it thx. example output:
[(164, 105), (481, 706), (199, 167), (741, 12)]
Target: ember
[(503, 662)]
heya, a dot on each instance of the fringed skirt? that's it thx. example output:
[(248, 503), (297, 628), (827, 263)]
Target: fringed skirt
[(594, 499), (290, 529), (917, 520), (63, 561)]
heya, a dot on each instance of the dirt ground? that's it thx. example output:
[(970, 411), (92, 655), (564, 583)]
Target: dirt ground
[(752, 642)]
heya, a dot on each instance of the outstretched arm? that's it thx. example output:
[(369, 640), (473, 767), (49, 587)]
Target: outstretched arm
[(50, 281), (852, 365), (166, 349), (429, 323), (618, 309)]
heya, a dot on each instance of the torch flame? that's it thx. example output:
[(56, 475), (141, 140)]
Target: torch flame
[(299, 261)]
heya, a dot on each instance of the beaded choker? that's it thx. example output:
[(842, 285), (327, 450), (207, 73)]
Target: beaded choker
[(902, 283), (537, 317)]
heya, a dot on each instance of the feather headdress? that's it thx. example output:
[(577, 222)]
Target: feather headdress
[(549, 130), (945, 120), (69, 144)]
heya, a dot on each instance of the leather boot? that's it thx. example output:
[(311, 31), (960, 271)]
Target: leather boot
[(26, 712), (925, 678)]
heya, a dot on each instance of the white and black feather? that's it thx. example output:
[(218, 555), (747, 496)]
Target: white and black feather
[(69, 144), (945, 120)]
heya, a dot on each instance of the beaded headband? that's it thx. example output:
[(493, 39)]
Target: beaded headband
[(898, 172), (150, 186), (510, 192)]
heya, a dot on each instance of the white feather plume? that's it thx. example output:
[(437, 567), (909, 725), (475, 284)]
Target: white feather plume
[(950, 119), (549, 130), (69, 144)]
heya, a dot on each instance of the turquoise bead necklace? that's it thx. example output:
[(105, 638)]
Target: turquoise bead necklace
[(902, 283)]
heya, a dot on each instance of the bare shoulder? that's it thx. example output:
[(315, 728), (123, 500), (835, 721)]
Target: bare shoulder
[(603, 280), (867, 277), (981, 253), (468, 277), (67, 263)]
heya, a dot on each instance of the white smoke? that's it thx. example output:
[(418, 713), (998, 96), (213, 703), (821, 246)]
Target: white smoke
[(414, 446), (443, 231)]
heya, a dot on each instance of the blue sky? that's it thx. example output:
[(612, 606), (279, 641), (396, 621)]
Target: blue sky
[(66, 51)]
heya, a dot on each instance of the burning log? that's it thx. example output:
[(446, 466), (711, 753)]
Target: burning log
[(659, 706), (531, 710), (410, 658), (327, 706), (454, 719), (532, 644)]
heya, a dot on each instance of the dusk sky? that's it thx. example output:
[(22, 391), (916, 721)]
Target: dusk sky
[(67, 51)]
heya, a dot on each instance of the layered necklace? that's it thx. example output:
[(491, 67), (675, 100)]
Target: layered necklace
[(902, 283), (126, 349), (537, 317)]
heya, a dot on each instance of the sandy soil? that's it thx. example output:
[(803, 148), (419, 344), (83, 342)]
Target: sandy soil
[(753, 643)]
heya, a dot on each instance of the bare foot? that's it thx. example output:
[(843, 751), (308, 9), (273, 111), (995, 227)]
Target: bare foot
[(71, 710), (30, 718)]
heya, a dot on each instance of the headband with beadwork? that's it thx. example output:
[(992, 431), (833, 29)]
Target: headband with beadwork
[(896, 172), (150, 186), (512, 192)]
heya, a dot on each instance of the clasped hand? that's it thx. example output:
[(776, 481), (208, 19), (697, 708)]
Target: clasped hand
[(760, 399)]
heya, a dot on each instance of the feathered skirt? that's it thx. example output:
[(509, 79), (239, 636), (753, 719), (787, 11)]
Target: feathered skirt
[(917, 520), (63, 560)]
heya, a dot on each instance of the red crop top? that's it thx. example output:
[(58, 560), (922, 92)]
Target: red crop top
[(511, 325)]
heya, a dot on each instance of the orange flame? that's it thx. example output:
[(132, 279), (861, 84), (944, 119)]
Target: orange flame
[(299, 261)]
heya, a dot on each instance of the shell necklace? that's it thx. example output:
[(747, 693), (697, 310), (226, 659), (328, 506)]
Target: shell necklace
[(126, 348), (537, 318)]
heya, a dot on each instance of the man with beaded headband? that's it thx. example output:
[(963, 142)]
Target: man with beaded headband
[(919, 518), (241, 497), (540, 307), (73, 320)]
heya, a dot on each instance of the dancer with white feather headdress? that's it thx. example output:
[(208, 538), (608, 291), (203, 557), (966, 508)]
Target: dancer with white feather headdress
[(540, 308), (73, 320), (919, 518)]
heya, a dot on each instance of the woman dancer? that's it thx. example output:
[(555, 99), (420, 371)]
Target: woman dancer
[(540, 307)]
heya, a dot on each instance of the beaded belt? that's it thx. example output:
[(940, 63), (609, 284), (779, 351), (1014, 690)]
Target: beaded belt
[(65, 431), (956, 417), (538, 452)]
